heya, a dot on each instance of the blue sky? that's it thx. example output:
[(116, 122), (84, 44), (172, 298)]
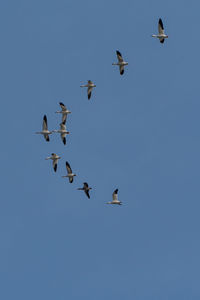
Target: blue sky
[(139, 133)]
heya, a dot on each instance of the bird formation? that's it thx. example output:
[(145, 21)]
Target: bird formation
[(64, 112)]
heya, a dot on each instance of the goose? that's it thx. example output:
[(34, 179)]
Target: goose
[(55, 159), (86, 189), (121, 63), (115, 198), (90, 85), (161, 34), (64, 112), (45, 130), (63, 132), (70, 175)]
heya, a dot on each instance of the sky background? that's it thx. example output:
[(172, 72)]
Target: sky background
[(138, 133)]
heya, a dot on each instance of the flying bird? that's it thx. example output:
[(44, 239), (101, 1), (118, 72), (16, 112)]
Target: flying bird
[(86, 189), (115, 198), (90, 85), (64, 112), (55, 159), (121, 63), (45, 130), (63, 132), (70, 174), (161, 34)]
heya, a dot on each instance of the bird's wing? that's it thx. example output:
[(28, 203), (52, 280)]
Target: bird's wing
[(89, 91), (89, 81), (71, 179), (64, 118), (62, 126), (114, 195), (69, 170), (55, 162), (85, 184), (45, 125), (162, 41), (87, 193), (121, 70), (46, 136), (119, 56), (63, 107), (160, 27), (63, 137)]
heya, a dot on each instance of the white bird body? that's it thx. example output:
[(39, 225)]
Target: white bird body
[(63, 132), (90, 85), (70, 174), (64, 112), (121, 63), (55, 159), (45, 132), (161, 33), (115, 198)]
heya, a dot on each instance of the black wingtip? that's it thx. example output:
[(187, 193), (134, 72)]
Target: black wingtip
[(45, 118), (64, 140), (47, 139), (118, 53), (89, 96), (161, 23), (87, 194), (162, 41), (122, 72), (61, 103), (116, 191), (55, 168)]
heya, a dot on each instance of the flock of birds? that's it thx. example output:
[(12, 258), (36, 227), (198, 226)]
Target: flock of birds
[(64, 111)]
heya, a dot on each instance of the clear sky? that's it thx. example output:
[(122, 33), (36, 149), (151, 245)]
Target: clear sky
[(139, 133)]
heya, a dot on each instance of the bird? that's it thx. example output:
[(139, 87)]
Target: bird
[(90, 85), (45, 130), (115, 198), (55, 159), (86, 189), (63, 132), (161, 34), (64, 112), (70, 175), (121, 63)]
